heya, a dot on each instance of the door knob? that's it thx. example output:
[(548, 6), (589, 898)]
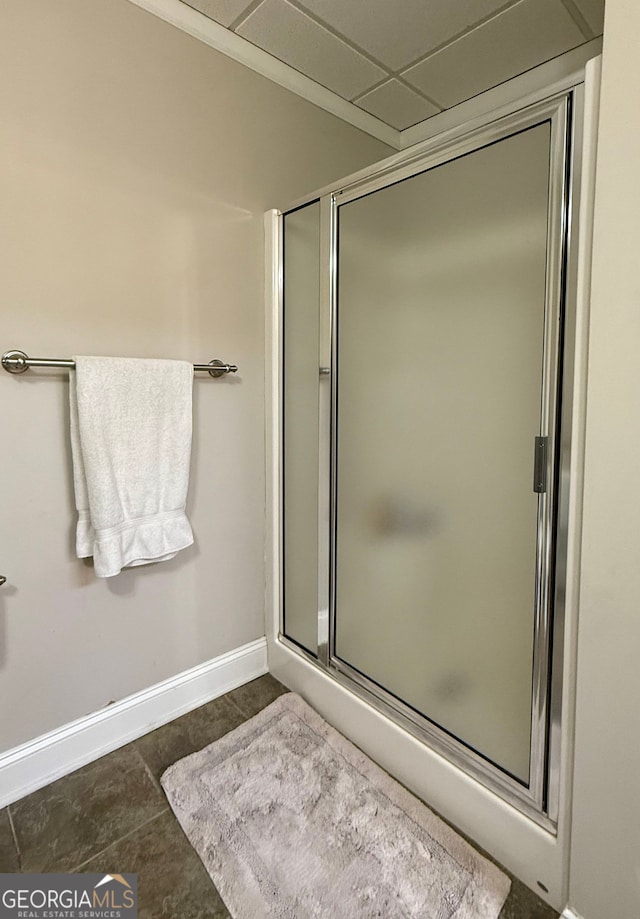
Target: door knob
[(2, 580)]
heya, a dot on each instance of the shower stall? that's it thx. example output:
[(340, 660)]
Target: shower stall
[(424, 346)]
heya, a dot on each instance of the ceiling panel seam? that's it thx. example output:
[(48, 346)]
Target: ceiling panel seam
[(400, 79), (454, 38), (244, 15), (338, 34)]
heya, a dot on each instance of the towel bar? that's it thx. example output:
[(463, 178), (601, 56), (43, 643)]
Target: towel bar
[(18, 362)]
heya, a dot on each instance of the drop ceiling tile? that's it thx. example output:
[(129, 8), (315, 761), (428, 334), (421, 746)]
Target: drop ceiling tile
[(397, 32), (593, 12), (527, 34), (397, 105), (223, 11), (289, 35)]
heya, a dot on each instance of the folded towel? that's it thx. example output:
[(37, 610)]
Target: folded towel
[(131, 447)]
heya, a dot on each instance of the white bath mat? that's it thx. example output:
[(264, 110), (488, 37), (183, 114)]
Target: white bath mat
[(293, 822)]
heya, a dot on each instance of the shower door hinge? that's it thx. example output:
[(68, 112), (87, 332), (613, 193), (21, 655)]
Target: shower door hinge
[(540, 465)]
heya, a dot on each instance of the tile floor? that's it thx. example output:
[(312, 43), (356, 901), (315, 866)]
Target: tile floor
[(112, 816)]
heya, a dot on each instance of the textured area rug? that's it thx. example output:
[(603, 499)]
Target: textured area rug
[(293, 822)]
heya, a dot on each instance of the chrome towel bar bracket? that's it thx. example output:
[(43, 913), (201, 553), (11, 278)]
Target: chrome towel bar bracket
[(19, 362)]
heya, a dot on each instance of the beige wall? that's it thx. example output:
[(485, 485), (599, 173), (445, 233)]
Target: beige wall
[(605, 857), (135, 166)]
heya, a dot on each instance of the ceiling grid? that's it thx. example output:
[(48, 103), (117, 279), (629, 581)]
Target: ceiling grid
[(403, 61)]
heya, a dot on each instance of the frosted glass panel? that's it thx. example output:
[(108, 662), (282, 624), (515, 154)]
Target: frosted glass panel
[(300, 419), (441, 291)]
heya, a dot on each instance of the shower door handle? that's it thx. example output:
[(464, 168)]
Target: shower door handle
[(540, 465)]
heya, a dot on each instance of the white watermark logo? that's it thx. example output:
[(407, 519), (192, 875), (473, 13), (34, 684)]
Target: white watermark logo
[(68, 896)]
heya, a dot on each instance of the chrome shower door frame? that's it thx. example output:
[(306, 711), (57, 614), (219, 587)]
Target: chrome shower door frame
[(538, 799)]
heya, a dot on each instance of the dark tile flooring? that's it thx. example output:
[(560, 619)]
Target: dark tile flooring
[(112, 817)]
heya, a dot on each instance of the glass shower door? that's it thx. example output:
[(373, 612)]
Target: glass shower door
[(442, 384)]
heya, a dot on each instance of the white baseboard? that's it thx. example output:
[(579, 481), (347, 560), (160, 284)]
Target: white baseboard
[(37, 763), (569, 913)]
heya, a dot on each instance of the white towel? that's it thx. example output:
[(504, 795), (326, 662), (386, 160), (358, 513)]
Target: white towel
[(131, 448)]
